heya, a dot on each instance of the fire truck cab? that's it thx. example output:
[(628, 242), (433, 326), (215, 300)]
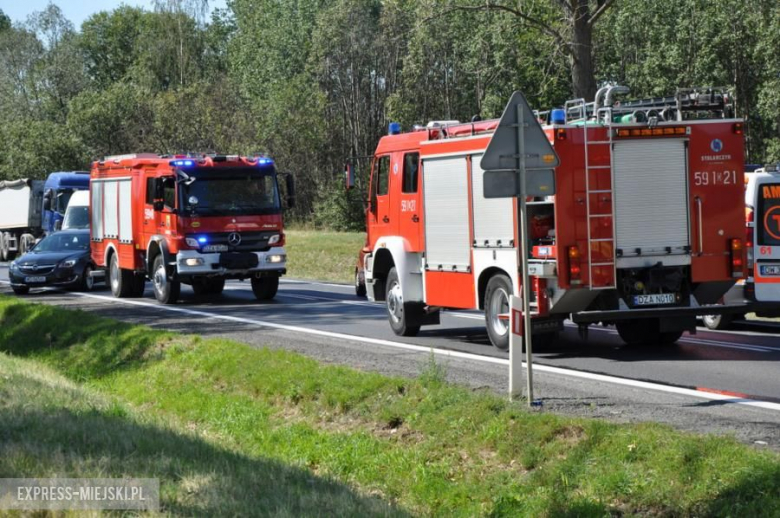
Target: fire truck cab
[(644, 229), (197, 220)]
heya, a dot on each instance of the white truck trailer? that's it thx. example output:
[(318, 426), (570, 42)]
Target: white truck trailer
[(21, 209)]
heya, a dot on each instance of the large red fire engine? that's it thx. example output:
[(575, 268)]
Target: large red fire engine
[(197, 220), (645, 227)]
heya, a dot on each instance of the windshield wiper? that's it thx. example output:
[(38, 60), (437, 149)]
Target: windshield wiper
[(184, 178)]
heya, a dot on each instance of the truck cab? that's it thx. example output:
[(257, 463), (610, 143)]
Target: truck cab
[(57, 191)]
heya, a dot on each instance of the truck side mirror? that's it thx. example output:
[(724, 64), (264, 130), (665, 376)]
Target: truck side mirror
[(290, 183), (158, 205), (349, 176), (159, 189), (47, 196), (58, 225)]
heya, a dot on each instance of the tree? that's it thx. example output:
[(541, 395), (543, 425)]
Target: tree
[(572, 30)]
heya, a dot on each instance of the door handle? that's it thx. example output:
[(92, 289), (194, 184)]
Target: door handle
[(386, 219), (415, 218)]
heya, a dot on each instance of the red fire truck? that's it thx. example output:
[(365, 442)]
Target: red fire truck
[(644, 230), (197, 220)]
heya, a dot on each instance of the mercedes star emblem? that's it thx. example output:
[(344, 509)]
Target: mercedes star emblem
[(234, 239)]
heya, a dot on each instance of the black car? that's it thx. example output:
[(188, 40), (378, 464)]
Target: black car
[(61, 259)]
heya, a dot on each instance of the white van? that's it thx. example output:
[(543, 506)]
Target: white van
[(77, 212), (762, 286)]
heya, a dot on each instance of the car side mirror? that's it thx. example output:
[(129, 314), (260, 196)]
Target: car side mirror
[(349, 176), (290, 184)]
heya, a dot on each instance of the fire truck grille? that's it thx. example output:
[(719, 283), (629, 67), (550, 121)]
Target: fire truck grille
[(249, 241)]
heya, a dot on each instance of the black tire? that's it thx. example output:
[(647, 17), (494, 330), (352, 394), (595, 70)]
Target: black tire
[(360, 286), (643, 331), (717, 322), (139, 285), (497, 299), (166, 290), (120, 280), (87, 282), (3, 246), (397, 310), (670, 337), (265, 288), (21, 290)]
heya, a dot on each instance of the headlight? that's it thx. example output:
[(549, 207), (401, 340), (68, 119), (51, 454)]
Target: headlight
[(193, 261), (191, 241), (13, 265), (274, 239), (276, 258), (69, 263)]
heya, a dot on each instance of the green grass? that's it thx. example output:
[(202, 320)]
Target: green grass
[(243, 424), (323, 255)]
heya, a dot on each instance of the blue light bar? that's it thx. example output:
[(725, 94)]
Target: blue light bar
[(265, 161), (394, 128), (202, 240), (182, 163)]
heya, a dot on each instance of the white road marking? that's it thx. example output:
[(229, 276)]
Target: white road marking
[(767, 405)]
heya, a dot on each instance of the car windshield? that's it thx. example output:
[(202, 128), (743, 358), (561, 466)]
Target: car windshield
[(231, 191), (76, 217), (63, 242)]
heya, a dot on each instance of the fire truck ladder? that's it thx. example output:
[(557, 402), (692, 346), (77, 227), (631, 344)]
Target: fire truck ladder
[(598, 192)]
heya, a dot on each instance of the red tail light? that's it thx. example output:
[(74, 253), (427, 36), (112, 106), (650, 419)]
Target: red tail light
[(575, 270), (738, 128), (749, 239), (737, 263)]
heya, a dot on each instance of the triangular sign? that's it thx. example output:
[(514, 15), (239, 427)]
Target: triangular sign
[(503, 151)]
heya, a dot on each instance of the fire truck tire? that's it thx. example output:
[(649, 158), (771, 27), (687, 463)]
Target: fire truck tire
[(497, 296), (360, 285), (265, 288), (717, 322), (644, 331), (397, 311), (139, 285), (669, 337), (120, 280), (166, 290)]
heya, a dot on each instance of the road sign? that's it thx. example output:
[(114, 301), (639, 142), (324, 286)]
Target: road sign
[(519, 145), (503, 150)]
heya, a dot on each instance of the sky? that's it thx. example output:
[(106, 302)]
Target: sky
[(76, 10)]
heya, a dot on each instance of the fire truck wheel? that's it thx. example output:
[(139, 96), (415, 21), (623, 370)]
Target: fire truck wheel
[(166, 290), (497, 295), (670, 337), (265, 288), (643, 331), (397, 310), (121, 280), (360, 284), (717, 322)]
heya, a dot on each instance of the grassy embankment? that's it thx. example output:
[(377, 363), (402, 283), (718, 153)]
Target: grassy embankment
[(232, 430), (323, 254)]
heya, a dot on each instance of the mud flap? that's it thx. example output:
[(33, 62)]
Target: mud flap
[(417, 316)]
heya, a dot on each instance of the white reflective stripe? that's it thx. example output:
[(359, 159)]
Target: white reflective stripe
[(651, 195), (446, 213)]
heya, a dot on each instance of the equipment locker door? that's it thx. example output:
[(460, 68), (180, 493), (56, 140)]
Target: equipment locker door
[(410, 216), (766, 270), (379, 221)]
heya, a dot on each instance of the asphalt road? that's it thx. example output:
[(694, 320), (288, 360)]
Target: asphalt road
[(720, 382)]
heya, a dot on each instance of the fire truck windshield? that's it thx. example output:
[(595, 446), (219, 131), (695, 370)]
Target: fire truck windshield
[(231, 191)]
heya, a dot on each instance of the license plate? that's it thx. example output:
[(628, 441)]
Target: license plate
[(770, 269), (654, 298), (215, 248), (32, 280)]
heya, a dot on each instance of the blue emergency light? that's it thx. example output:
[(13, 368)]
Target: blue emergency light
[(558, 116), (202, 240), (394, 128), (182, 163), (265, 161)]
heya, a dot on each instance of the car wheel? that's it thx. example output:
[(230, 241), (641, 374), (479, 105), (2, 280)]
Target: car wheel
[(717, 322), (497, 297), (166, 290), (21, 290), (87, 281), (121, 280), (360, 284), (265, 288), (397, 310)]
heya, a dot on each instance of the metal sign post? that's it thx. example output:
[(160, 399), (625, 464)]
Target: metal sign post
[(519, 145)]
